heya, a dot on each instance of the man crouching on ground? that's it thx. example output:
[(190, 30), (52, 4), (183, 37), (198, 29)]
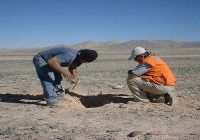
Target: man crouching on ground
[(49, 67), (151, 79)]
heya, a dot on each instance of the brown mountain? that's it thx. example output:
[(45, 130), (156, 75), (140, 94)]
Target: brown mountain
[(110, 45)]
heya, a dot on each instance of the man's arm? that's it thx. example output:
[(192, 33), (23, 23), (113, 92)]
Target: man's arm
[(74, 73), (139, 70), (55, 65)]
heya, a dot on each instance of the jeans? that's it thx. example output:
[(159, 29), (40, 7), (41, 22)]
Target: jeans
[(50, 80)]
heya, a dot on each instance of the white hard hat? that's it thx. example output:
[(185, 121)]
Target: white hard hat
[(137, 51)]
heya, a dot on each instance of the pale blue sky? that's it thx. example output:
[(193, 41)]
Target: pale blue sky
[(41, 23)]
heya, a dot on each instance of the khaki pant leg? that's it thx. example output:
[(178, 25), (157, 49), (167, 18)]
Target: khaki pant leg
[(152, 88), (138, 94)]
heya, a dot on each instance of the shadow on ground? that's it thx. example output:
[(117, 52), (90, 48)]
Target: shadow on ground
[(87, 101), (21, 98), (100, 99)]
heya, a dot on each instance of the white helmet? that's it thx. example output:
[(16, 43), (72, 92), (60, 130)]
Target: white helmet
[(137, 51)]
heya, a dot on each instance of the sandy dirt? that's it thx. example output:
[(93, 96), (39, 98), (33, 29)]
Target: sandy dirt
[(95, 110)]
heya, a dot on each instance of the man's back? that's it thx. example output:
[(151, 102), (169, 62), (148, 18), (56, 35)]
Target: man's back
[(65, 56)]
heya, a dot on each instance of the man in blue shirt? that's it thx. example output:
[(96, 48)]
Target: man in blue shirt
[(49, 67)]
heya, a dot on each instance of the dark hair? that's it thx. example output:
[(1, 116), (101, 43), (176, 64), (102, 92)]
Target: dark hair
[(146, 54), (88, 55)]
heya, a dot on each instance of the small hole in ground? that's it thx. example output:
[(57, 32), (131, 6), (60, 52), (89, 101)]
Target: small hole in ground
[(100, 100), (94, 101)]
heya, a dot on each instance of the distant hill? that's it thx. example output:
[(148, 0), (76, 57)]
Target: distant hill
[(110, 45)]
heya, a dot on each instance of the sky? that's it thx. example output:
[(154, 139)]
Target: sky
[(42, 23)]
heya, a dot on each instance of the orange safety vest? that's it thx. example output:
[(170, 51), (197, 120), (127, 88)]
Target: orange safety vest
[(160, 72)]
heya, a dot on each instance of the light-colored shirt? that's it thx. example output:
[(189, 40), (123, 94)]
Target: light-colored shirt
[(141, 69)]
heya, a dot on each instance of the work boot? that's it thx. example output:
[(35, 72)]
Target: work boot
[(50, 104), (168, 99), (55, 104), (156, 98)]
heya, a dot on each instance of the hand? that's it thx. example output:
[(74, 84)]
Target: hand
[(68, 76), (75, 81), (130, 71)]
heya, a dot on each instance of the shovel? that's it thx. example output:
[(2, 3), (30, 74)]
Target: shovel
[(74, 86)]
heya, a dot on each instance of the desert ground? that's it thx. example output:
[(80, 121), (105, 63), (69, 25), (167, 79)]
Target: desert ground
[(96, 109)]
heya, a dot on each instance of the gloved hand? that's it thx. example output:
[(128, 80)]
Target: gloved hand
[(130, 71)]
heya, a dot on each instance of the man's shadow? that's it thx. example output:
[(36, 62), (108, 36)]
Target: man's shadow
[(21, 98), (87, 101), (100, 99)]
